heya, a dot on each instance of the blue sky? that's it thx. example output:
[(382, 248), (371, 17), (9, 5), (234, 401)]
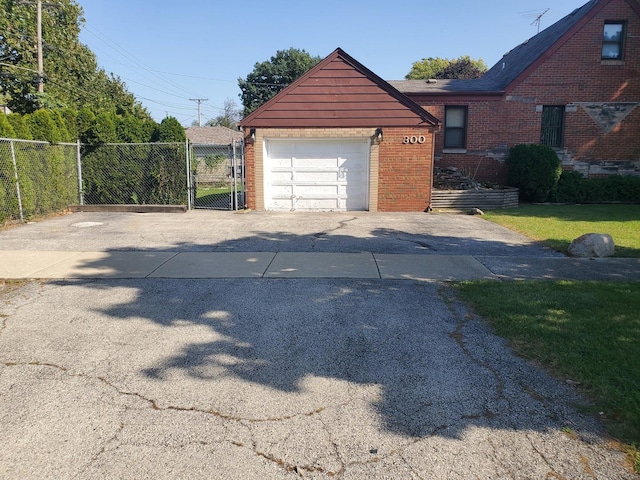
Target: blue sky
[(170, 51)]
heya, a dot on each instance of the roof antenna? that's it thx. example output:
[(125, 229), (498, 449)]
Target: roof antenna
[(538, 18)]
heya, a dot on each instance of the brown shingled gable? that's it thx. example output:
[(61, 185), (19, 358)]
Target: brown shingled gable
[(339, 92)]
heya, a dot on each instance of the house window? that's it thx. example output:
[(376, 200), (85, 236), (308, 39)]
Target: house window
[(455, 127), (552, 122), (613, 41)]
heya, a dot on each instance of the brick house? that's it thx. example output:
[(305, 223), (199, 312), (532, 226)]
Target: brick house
[(575, 87), (339, 138)]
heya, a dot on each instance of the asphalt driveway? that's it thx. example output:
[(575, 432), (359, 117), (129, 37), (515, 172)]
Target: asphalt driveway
[(276, 377)]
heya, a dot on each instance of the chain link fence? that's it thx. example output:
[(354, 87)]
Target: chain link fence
[(141, 174), (39, 179), (36, 178), (218, 176)]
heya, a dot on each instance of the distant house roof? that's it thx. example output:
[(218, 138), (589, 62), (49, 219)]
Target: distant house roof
[(213, 135), (511, 66), (443, 86)]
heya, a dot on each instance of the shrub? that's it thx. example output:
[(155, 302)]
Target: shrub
[(20, 126), (61, 124), (102, 130), (84, 119), (534, 170), (571, 188), (43, 127), (6, 130)]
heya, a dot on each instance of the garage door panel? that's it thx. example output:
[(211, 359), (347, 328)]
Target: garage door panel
[(319, 175), (316, 204), (313, 177), (319, 163), (282, 163)]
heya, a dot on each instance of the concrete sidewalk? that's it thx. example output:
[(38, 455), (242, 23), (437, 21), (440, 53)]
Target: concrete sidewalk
[(366, 265)]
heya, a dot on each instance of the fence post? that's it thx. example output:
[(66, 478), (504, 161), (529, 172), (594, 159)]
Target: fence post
[(15, 173), (79, 161), (189, 189)]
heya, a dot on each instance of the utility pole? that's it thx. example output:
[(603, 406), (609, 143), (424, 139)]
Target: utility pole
[(199, 101), (40, 60), (39, 40)]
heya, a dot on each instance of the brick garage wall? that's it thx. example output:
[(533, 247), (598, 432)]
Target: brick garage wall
[(250, 172), (400, 173), (405, 170)]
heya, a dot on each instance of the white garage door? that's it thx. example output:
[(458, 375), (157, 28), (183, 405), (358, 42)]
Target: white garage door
[(317, 175)]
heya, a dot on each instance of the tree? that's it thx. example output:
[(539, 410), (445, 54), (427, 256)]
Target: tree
[(271, 76), (71, 74), (462, 67), (229, 117), (169, 130)]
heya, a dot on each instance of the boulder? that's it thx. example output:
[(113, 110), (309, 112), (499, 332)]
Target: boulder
[(592, 245)]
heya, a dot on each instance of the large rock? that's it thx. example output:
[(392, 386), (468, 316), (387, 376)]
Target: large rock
[(592, 245)]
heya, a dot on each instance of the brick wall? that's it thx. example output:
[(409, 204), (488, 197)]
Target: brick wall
[(573, 75), (405, 173)]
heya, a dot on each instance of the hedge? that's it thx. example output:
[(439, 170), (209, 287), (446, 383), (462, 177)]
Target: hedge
[(574, 188)]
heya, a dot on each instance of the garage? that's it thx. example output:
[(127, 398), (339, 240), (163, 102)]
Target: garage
[(320, 175), (339, 138)]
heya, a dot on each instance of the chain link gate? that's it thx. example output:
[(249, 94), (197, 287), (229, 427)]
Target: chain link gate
[(218, 176)]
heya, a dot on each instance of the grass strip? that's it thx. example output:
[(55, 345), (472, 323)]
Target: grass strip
[(588, 332), (558, 225)]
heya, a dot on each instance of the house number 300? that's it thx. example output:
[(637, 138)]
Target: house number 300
[(414, 139)]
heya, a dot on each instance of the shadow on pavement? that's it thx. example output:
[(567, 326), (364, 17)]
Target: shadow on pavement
[(436, 369)]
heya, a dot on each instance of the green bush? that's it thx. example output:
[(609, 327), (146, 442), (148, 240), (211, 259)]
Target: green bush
[(534, 170), (574, 188), (571, 188), (43, 126), (6, 130), (84, 119), (102, 130), (20, 126)]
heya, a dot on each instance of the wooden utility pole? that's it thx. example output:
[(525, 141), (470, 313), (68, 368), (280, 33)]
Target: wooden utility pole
[(199, 101), (38, 4), (40, 60)]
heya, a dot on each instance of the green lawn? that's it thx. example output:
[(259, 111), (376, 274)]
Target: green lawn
[(558, 225), (586, 332), (213, 196)]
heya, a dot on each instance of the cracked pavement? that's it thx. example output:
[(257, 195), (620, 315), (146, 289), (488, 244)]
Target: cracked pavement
[(214, 379), (276, 378)]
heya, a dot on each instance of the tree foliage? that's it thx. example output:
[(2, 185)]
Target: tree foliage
[(72, 77), (463, 67), (229, 117), (169, 130), (270, 77)]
